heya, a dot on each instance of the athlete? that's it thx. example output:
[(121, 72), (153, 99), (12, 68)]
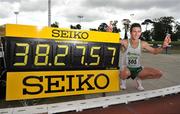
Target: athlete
[(132, 54)]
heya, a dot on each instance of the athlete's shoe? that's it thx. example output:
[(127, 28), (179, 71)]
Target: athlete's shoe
[(140, 88), (139, 85), (123, 84)]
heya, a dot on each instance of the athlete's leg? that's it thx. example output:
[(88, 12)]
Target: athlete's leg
[(124, 74), (139, 84), (149, 73)]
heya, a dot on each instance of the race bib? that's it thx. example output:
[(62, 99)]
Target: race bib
[(132, 61)]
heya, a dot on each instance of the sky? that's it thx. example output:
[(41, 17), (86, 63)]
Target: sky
[(94, 12)]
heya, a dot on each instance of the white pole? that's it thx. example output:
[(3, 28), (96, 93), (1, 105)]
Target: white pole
[(49, 13), (16, 13)]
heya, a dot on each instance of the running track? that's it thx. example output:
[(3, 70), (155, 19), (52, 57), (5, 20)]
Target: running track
[(161, 105)]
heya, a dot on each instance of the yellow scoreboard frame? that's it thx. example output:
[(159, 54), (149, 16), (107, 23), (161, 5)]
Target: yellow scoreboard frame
[(50, 62)]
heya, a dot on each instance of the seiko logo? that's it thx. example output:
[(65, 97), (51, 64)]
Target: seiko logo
[(64, 83), (69, 34)]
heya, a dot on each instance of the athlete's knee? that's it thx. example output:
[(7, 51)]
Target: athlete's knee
[(125, 74), (159, 74)]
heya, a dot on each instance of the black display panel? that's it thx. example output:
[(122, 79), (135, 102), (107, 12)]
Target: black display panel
[(28, 54)]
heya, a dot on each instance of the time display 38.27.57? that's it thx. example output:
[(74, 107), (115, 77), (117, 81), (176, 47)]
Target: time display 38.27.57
[(27, 54)]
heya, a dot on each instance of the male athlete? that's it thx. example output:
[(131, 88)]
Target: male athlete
[(132, 54)]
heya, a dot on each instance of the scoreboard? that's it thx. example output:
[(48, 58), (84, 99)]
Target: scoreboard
[(49, 62)]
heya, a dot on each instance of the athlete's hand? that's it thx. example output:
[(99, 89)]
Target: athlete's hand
[(167, 41), (122, 42)]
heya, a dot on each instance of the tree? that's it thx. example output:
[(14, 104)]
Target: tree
[(176, 35), (55, 24), (147, 34), (162, 26), (147, 22), (126, 23), (78, 26)]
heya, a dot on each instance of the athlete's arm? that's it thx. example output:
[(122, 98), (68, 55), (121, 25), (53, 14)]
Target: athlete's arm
[(152, 50), (158, 50)]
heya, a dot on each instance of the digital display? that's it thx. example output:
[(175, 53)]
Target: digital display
[(50, 62), (43, 54)]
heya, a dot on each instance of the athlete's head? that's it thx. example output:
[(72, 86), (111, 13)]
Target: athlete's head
[(135, 31)]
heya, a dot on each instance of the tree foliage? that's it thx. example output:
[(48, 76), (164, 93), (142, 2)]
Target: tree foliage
[(126, 23), (55, 24), (146, 35), (176, 31), (147, 22), (162, 26)]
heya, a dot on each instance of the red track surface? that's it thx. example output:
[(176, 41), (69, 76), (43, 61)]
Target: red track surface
[(161, 105)]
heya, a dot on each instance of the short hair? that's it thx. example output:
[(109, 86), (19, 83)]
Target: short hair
[(135, 25)]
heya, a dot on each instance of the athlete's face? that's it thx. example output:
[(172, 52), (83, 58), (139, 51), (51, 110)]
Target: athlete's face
[(136, 33)]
